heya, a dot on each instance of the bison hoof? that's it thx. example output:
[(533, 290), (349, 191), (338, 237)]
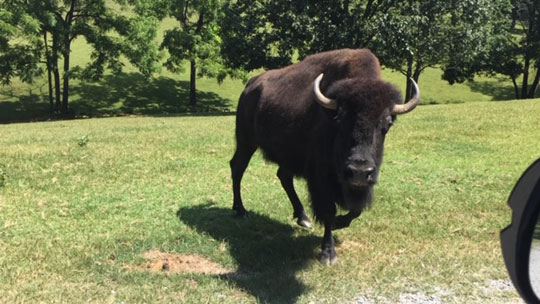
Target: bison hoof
[(241, 212), (304, 222), (328, 257)]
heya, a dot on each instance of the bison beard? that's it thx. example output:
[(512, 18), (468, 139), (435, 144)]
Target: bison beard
[(334, 140)]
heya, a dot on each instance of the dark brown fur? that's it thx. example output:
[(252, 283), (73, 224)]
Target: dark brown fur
[(277, 112)]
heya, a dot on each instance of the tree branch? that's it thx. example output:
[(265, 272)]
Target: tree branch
[(200, 23), (69, 14), (367, 11), (184, 16)]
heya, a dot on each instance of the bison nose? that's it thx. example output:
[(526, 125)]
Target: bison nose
[(368, 174), (360, 175)]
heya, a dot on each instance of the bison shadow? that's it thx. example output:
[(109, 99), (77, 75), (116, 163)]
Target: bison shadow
[(269, 253)]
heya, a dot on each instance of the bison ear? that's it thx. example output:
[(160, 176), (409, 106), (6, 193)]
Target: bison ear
[(335, 116)]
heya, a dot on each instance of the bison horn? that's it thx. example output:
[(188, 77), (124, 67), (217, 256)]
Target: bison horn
[(321, 99), (409, 105)]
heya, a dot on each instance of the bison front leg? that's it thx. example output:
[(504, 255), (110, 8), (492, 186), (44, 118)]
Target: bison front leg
[(286, 179), (328, 255), (343, 221), (322, 201)]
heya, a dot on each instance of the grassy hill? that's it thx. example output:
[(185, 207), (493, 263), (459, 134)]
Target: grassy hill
[(117, 209)]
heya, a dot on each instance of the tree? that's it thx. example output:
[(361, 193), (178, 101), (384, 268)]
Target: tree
[(528, 16), (270, 34), (108, 32), (517, 51), (251, 39), (418, 34), (196, 40), (342, 24), (511, 48), (20, 44)]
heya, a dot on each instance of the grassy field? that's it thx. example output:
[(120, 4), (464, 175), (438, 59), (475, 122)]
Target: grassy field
[(115, 210)]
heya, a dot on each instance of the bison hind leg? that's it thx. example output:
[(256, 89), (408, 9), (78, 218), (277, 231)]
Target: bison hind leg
[(239, 163), (286, 179)]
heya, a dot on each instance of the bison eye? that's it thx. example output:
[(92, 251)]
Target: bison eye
[(386, 123)]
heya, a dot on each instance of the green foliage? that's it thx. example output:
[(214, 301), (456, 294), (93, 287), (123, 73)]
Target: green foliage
[(261, 34), (270, 34), (195, 40), (461, 37), (509, 46), (415, 35), (112, 34), (203, 48), (342, 23), (513, 50), (34, 32), (407, 36), (413, 30), (20, 46)]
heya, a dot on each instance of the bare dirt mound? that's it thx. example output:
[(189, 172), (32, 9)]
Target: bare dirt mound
[(180, 263)]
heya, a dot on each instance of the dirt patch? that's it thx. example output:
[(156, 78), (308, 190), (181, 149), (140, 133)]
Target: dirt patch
[(180, 263), (350, 246)]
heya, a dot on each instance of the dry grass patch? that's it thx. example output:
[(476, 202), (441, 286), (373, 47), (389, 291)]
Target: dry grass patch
[(179, 263)]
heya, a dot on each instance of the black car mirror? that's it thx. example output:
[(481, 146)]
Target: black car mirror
[(520, 241)]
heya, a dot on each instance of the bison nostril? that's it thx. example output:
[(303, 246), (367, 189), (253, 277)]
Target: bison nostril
[(368, 173), (350, 172), (359, 174)]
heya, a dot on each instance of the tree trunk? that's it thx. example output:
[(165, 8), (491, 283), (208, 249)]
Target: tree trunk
[(193, 68), (417, 71), (524, 85), (65, 89), (516, 88), (416, 76), (67, 51), (408, 89), (56, 72), (49, 72), (192, 86), (534, 85)]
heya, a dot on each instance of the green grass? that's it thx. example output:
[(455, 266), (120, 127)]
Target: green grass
[(81, 201)]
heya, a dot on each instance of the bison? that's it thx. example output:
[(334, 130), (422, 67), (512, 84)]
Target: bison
[(333, 139)]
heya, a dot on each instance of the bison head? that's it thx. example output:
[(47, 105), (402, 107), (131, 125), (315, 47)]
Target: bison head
[(363, 111)]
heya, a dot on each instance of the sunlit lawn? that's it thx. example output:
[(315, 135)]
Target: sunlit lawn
[(84, 200)]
